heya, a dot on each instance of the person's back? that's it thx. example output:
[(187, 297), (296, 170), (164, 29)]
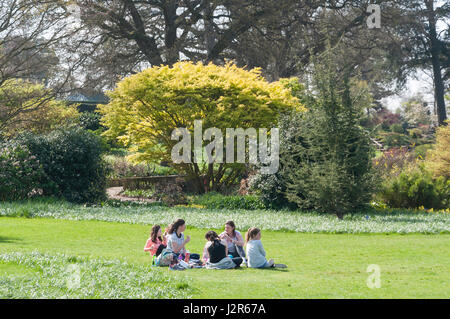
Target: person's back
[(256, 255), (216, 251)]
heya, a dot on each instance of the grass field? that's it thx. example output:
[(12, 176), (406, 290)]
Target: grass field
[(320, 265)]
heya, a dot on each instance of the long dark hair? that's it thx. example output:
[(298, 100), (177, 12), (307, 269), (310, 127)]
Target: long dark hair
[(174, 226), (154, 233), (211, 236), (231, 224)]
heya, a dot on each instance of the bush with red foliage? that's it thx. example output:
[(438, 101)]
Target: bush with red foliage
[(386, 118)]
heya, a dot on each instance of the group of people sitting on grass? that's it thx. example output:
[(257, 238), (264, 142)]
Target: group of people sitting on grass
[(224, 251)]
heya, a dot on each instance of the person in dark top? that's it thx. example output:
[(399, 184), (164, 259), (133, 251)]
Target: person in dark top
[(216, 249)]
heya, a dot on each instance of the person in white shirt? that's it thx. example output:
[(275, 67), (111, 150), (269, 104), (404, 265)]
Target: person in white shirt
[(235, 241), (175, 238)]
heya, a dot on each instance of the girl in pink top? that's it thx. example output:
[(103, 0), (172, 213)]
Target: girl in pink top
[(155, 244)]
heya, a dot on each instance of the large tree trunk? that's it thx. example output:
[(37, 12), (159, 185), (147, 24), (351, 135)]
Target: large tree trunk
[(210, 34), (170, 39), (147, 44), (439, 89)]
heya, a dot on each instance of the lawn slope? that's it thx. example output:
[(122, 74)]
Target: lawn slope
[(320, 265)]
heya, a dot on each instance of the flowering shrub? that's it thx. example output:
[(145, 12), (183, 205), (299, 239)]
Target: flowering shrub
[(28, 107), (20, 172)]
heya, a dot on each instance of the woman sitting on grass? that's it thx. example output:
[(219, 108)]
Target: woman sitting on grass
[(215, 253), (175, 238), (155, 244), (234, 240), (256, 255)]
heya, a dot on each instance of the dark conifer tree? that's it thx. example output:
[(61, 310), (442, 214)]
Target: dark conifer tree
[(325, 154)]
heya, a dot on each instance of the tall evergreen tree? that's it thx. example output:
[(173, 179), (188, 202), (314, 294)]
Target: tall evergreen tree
[(325, 155)]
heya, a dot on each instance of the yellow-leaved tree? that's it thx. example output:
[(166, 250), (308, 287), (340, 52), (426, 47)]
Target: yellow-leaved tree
[(146, 107), (27, 106), (438, 158)]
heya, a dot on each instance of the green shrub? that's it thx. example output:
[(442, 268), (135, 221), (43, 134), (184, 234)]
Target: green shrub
[(117, 151), (392, 139), (416, 133), (397, 128), (90, 121), (421, 150), (218, 201), (416, 188), (20, 172), (72, 162), (271, 190)]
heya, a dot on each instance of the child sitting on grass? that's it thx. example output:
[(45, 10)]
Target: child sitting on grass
[(155, 244), (256, 255)]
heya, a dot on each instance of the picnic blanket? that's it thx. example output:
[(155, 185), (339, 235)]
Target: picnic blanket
[(226, 263), (166, 258)]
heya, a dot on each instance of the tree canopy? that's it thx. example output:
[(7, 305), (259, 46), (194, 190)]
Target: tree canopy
[(31, 107), (145, 108)]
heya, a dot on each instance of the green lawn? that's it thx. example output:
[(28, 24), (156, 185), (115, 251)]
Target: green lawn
[(320, 265)]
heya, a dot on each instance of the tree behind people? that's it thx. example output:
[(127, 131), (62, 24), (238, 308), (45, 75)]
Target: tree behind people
[(326, 155)]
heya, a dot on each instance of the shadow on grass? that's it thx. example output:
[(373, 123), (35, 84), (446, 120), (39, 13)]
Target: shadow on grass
[(276, 269), (267, 269), (8, 240)]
